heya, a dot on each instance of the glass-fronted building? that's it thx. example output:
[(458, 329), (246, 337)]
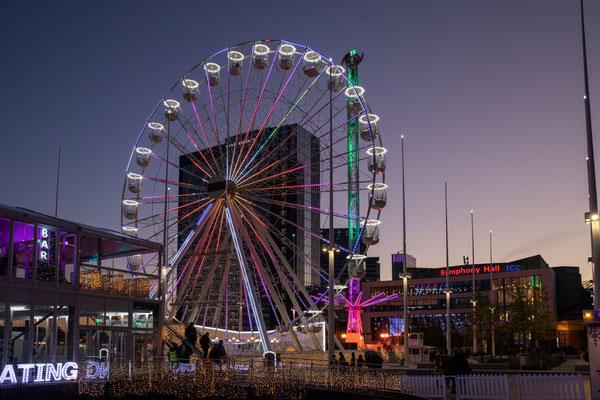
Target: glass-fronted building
[(531, 277), (69, 292)]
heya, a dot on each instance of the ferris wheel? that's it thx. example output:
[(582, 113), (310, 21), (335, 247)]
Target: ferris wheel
[(242, 169)]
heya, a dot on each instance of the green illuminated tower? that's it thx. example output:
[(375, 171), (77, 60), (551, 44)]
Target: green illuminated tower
[(351, 61)]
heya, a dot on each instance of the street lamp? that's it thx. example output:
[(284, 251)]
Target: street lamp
[(493, 307), (473, 284)]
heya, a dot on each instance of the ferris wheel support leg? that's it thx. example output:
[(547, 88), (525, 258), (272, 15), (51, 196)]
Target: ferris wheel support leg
[(272, 292), (248, 284)]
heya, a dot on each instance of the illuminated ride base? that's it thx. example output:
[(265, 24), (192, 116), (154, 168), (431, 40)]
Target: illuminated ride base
[(232, 171)]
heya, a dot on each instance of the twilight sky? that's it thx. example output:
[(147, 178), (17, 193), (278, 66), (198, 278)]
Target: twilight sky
[(487, 93)]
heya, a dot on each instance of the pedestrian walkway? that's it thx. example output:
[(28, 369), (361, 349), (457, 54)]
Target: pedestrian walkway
[(569, 366)]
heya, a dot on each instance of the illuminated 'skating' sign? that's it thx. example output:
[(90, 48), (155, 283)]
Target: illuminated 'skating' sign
[(45, 372), (37, 373), (468, 270)]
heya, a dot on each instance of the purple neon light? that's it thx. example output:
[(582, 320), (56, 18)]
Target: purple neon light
[(275, 261), (254, 114), (322, 210), (305, 230), (167, 181), (248, 305), (280, 94), (241, 115), (212, 106), (205, 138), (262, 282), (313, 268), (298, 127)]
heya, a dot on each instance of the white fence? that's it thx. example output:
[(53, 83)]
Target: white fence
[(550, 387), (482, 387), (430, 386)]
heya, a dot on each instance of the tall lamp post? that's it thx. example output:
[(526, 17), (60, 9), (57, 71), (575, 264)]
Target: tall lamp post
[(447, 291), (591, 217), (405, 274), (473, 283), (493, 307)]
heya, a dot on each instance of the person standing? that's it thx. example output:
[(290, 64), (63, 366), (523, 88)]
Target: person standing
[(360, 361), (191, 335), (342, 360), (205, 344), (173, 353), (353, 361), (221, 354)]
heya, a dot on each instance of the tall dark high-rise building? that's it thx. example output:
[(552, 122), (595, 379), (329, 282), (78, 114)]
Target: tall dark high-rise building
[(289, 210)]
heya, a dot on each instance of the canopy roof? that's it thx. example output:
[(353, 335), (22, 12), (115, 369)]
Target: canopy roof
[(94, 241)]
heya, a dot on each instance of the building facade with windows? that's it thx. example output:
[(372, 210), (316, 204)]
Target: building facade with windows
[(71, 292), (531, 276)]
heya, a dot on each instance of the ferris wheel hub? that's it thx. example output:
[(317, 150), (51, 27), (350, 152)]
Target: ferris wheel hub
[(219, 187)]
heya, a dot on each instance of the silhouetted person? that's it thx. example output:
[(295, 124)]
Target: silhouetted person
[(443, 363), (190, 334), (342, 361), (353, 361), (205, 344), (360, 362), (184, 352)]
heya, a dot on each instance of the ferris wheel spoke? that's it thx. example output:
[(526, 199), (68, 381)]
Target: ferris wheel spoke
[(274, 297), (204, 291), (221, 295), (315, 185), (322, 239), (266, 157), (190, 156), (278, 259), (268, 225), (243, 102), (184, 170), (291, 108), (183, 148), (176, 183), (251, 124), (227, 124), (186, 273), (316, 140), (208, 145), (178, 221), (262, 128), (153, 217), (205, 253)]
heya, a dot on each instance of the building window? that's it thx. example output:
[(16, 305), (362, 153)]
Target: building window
[(23, 250)]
